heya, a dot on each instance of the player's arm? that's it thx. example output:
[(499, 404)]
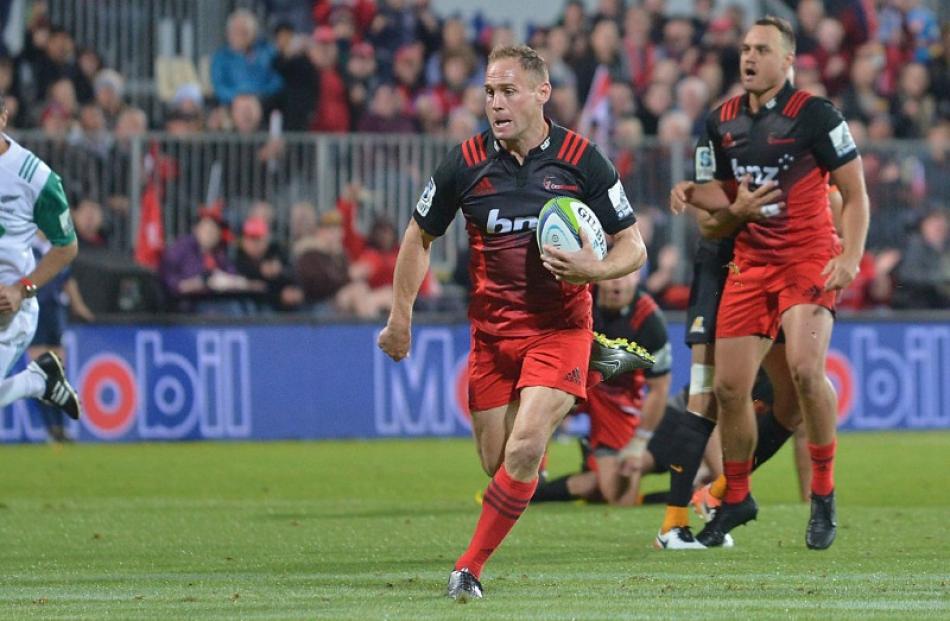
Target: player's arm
[(412, 263), (747, 206), (834, 149), (855, 213), (604, 194), (51, 213), (433, 214)]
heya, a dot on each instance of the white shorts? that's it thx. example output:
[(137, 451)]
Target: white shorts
[(17, 334)]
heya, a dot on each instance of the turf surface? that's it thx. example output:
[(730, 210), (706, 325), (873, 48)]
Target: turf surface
[(355, 530)]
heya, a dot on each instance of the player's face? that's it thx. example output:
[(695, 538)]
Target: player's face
[(764, 61), (514, 99), (616, 293)]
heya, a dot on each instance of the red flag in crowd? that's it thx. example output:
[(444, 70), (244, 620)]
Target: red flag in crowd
[(150, 238)]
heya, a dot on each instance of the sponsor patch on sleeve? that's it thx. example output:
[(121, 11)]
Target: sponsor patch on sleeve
[(841, 139), (425, 201), (618, 198), (705, 163)]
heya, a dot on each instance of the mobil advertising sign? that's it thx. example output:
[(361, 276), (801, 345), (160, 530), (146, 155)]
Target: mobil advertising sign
[(256, 382)]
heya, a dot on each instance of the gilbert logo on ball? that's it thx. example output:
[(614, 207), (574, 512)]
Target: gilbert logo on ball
[(561, 221)]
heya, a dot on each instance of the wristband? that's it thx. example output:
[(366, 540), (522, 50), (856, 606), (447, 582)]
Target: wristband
[(643, 434), (29, 287)]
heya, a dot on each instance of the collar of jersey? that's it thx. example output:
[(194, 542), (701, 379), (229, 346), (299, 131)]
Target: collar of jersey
[(778, 102), (541, 148)]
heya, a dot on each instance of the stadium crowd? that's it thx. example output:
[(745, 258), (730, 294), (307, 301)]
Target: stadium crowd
[(635, 78)]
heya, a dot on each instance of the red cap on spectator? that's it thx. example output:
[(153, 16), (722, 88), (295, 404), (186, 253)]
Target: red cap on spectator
[(324, 34), (720, 24), (255, 226), (362, 49), (408, 50)]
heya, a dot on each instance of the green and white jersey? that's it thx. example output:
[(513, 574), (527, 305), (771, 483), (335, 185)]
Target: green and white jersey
[(31, 198)]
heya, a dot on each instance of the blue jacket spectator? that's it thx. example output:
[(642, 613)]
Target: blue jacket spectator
[(245, 64)]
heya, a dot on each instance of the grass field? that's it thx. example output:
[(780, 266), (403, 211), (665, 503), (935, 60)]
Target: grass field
[(353, 530)]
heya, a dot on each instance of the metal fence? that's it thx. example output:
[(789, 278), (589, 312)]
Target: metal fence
[(904, 179), (131, 34)]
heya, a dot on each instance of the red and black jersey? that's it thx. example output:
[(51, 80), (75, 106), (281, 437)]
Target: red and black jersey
[(795, 139), (512, 293), (641, 321)]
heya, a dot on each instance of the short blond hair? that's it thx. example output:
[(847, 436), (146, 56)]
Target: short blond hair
[(527, 57)]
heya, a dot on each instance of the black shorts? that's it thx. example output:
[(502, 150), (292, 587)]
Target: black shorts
[(50, 324), (709, 277)]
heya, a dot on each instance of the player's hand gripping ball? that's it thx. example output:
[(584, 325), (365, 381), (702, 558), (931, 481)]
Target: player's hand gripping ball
[(560, 224)]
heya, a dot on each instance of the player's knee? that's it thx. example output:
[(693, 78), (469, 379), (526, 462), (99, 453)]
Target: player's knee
[(524, 453), (728, 391), (490, 464), (808, 375)]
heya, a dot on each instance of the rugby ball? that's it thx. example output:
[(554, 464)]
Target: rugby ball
[(560, 224)]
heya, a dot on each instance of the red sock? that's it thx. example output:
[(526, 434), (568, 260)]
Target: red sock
[(737, 480), (505, 500), (822, 467)]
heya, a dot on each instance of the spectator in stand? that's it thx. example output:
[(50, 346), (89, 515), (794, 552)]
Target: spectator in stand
[(246, 113), (197, 272), (692, 99), (809, 13), (55, 63), (88, 220), (860, 100), (833, 59), (429, 115), (656, 101), (457, 72), (936, 162), (262, 262), (91, 133), (385, 113), (910, 26), (914, 109), (940, 74), (923, 277), (408, 74), (605, 52), (454, 41), (556, 48), (189, 101), (296, 100), (323, 271), (109, 88), (332, 112), (245, 64), (638, 48), (563, 107), (678, 33), (721, 49), (373, 257), (303, 224), (88, 64), (61, 108), (393, 27), (462, 125), (361, 80), (132, 123), (808, 75)]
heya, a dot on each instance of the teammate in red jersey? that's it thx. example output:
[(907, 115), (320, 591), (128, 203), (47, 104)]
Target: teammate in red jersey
[(788, 266), (622, 418), (530, 314)]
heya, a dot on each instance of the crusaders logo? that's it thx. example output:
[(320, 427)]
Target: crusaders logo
[(551, 185)]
